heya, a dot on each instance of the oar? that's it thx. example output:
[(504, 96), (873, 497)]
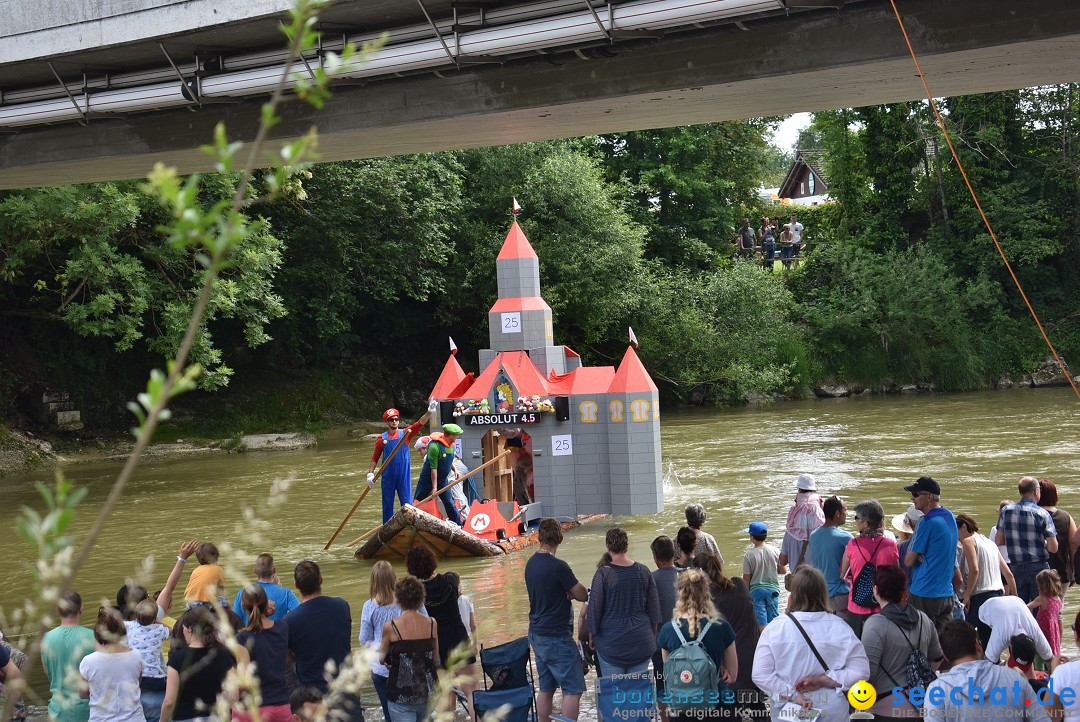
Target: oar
[(434, 494), (404, 442)]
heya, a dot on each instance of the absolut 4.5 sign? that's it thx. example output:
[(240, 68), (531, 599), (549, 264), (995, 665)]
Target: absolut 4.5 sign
[(527, 417)]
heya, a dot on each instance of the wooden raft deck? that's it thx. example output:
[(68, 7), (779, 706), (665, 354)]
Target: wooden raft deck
[(410, 526)]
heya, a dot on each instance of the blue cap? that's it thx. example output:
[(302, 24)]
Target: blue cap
[(756, 528)]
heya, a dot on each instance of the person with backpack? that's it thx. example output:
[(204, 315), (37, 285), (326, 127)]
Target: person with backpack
[(698, 648), (864, 554), (901, 644)]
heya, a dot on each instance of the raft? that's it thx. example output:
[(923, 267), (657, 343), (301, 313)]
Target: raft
[(411, 526)]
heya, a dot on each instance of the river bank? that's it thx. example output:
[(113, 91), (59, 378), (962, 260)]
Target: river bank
[(246, 418)]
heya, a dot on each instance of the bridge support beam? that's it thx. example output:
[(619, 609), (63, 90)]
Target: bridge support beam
[(852, 57)]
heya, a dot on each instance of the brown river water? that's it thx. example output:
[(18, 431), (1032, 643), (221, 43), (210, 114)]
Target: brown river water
[(741, 463)]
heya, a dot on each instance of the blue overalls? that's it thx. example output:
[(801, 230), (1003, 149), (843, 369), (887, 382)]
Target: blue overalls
[(397, 477), (446, 464)]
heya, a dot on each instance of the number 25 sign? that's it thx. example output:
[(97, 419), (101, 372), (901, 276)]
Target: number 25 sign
[(562, 445), (511, 322)]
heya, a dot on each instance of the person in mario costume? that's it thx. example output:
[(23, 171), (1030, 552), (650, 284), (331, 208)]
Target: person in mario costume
[(397, 477)]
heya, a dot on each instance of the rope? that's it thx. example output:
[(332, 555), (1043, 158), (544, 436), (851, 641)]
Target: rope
[(975, 197)]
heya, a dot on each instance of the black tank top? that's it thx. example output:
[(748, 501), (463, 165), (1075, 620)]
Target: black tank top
[(412, 668)]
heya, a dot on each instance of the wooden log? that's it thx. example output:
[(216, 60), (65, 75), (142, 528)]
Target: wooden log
[(434, 494)]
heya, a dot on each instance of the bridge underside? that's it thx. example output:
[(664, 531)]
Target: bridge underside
[(852, 57)]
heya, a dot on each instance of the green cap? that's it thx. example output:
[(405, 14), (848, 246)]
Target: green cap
[(451, 429)]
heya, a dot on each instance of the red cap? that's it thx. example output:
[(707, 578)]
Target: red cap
[(389, 413)]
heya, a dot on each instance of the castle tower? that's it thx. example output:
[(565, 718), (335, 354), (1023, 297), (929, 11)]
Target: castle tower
[(633, 417), (520, 320)]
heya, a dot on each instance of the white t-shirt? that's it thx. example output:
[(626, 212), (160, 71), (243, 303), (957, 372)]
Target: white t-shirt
[(466, 609), (1067, 676), (114, 686), (796, 232), (147, 642)]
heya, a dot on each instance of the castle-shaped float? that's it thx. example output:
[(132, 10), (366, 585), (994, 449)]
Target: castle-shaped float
[(595, 430), (555, 438)]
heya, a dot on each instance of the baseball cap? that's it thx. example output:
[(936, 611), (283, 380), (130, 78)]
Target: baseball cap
[(391, 413), (806, 483), (1021, 651), (451, 429), (924, 483), (756, 528)]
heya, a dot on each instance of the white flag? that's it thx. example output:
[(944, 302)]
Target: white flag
[(633, 337), (515, 208), (453, 346)]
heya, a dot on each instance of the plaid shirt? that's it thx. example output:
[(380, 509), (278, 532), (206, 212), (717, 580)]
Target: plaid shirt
[(1026, 525)]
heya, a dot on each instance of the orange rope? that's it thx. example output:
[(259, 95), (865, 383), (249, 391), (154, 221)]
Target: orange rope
[(974, 197)]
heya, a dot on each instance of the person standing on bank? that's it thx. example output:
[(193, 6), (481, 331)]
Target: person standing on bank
[(695, 519), (931, 555), (624, 611), (551, 584), (827, 546), (397, 478), (747, 239), (796, 238), (1028, 531), (440, 458), (985, 573)]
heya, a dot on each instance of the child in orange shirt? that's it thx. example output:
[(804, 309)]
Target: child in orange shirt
[(207, 582)]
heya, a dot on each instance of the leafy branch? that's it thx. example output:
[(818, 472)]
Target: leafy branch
[(212, 233)]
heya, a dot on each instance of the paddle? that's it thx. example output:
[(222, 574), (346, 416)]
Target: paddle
[(404, 442), (460, 479)]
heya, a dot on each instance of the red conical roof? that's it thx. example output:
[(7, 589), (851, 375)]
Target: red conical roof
[(631, 376), (451, 377), (516, 245)]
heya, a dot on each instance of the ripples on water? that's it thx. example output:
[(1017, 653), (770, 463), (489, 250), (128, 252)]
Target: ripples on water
[(740, 463)]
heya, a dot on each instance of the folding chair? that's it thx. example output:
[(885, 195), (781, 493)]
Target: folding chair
[(631, 696), (508, 679)]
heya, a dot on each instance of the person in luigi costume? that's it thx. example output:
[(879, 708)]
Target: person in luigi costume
[(440, 460)]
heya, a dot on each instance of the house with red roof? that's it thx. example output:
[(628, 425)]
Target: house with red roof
[(583, 439)]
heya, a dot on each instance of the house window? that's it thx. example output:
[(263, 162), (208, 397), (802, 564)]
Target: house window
[(810, 180), (802, 189)]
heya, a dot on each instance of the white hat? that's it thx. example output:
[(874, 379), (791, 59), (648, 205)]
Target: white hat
[(907, 521), (806, 483)]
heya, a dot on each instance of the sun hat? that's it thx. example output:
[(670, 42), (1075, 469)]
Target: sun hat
[(806, 483), (908, 520)]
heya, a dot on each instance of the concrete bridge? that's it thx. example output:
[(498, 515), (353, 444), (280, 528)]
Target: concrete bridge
[(764, 57)]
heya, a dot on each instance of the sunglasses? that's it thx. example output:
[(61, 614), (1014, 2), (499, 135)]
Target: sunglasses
[(917, 494)]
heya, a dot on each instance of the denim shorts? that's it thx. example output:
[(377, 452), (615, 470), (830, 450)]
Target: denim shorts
[(765, 605), (558, 664)]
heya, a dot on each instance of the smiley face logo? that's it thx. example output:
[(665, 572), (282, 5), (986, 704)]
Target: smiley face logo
[(862, 695)]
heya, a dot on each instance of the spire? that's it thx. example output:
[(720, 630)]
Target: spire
[(516, 245), (631, 376), (452, 375)]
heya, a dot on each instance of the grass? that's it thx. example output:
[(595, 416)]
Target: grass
[(272, 401)]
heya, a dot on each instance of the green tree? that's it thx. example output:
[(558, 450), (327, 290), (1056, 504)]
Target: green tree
[(89, 257), (690, 185), (590, 249), (367, 248)]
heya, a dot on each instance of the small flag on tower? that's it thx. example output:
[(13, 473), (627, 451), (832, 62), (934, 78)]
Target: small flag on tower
[(453, 346), (515, 207), (633, 337)]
